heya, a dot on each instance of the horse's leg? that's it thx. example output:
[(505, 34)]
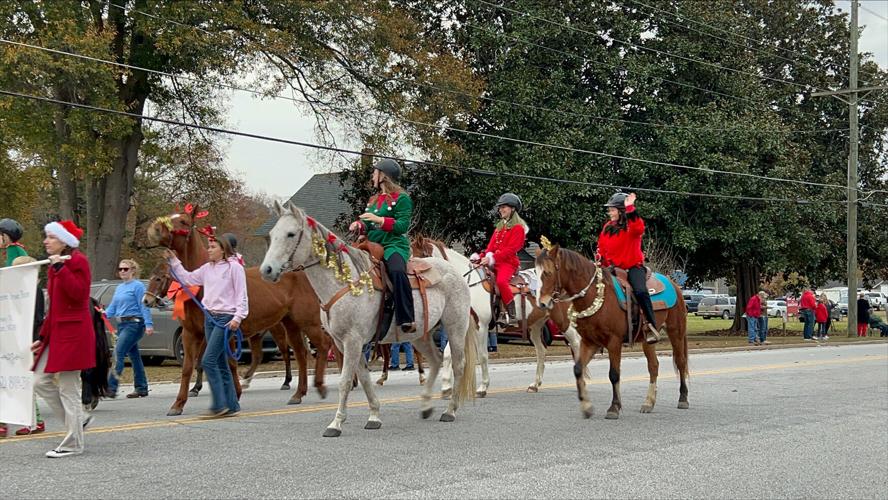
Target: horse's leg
[(386, 350), (235, 378), (279, 334), (447, 373), (573, 340), (419, 366), (461, 362), (483, 358), (373, 421), (255, 357), (676, 328), (540, 348), (191, 346), (614, 352), (323, 342), (198, 367), (587, 350), (428, 349), (351, 356), (650, 352), (297, 340)]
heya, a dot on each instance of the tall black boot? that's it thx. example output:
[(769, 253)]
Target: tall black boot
[(651, 334)]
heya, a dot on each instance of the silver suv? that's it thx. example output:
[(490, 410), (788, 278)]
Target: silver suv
[(717, 307)]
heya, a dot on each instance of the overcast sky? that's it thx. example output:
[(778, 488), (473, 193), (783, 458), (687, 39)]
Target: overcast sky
[(280, 170)]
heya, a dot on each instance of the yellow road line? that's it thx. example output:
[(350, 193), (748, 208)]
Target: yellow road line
[(333, 406)]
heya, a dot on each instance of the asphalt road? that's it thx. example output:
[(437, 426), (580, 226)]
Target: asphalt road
[(800, 422)]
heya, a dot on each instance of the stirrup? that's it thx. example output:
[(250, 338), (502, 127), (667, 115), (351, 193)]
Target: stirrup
[(652, 336)]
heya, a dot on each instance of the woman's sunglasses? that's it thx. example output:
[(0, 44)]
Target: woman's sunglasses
[(122, 269)]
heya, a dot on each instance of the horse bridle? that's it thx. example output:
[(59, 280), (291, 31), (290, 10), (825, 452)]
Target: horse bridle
[(556, 292), (301, 267)]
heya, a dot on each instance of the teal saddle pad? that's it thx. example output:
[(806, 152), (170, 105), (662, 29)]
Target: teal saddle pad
[(668, 296)]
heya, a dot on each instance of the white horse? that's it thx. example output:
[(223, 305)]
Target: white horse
[(352, 310), (481, 306)]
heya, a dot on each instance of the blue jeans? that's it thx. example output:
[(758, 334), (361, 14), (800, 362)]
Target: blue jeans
[(396, 355), (763, 328), (129, 333), (215, 363), (443, 339), (808, 318), (491, 342), (752, 327)]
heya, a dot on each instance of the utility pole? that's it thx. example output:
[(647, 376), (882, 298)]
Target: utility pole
[(853, 91)]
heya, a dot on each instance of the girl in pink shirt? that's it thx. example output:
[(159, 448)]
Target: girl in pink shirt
[(225, 299)]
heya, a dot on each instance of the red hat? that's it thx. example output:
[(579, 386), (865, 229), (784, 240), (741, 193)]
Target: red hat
[(66, 231)]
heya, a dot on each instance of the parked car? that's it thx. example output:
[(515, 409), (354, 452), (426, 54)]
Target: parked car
[(692, 300), (551, 334), (717, 307), (166, 342), (876, 300), (776, 308)]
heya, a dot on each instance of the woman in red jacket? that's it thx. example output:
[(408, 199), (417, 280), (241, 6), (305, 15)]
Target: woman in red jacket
[(502, 251), (821, 315), (619, 245), (67, 340)]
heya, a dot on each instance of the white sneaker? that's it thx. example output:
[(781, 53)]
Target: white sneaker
[(62, 453)]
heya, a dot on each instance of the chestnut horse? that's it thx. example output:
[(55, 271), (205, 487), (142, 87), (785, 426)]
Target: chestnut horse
[(568, 277), (159, 283), (291, 302)]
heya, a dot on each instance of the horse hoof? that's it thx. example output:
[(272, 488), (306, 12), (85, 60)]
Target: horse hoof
[(533, 389), (322, 391), (447, 418), (646, 408), (285, 387), (330, 432), (422, 381), (294, 401), (445, 394), (481, 394), (174, 412), (612, 415), (194, 393), (683, 405), (426, 413), (380, 382), (587, 413), (373, 425)]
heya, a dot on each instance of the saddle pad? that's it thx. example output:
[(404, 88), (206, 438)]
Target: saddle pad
[(662, 300)]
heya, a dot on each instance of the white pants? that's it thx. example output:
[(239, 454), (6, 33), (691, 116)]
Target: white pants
[(65, 400)]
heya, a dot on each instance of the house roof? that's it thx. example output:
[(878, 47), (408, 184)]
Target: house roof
[(320, 197)]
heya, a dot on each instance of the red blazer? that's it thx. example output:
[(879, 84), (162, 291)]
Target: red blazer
[(505, 245), (820, 314), (68, 328), (624, 248)]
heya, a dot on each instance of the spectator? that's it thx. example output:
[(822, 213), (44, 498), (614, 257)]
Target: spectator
[(407, 347), (10, 234), (133, 322), (863, 315), (67, 340), (821, 314), (830, 309), (806, 312), (753, 315), (762, 327)]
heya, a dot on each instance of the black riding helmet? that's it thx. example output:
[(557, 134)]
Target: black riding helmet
[(12, 229), (389, 167), (510, 199), (232, 240), (618, 200)]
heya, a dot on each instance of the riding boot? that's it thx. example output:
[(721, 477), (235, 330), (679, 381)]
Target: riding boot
[(652, 335), (388, 314), (510, 310)]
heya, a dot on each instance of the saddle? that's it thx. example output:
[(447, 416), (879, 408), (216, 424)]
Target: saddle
[(654, 286)]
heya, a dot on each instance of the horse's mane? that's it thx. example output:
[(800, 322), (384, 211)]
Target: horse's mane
[(360, 260), (573, 261)]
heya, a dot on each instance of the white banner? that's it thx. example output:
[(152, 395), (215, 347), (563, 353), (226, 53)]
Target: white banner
[(18, 286)]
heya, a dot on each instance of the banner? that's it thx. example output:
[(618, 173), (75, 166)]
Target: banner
[(18, 286)]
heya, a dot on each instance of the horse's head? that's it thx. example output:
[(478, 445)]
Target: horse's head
[(548, 269), (158, 284), (174, 230), (289, 246)]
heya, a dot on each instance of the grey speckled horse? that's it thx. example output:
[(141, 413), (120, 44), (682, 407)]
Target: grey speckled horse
[(351, 320)]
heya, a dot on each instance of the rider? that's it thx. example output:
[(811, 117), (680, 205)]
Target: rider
[(502, 251), (10, 233), (386, 221), (619, 245)]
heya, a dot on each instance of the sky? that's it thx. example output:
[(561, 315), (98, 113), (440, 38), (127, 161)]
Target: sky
[(279, 170)]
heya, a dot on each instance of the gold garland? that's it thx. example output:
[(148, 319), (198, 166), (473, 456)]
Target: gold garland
[(596, 303), (341, 270)]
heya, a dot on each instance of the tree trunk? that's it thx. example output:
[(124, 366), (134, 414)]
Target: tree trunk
[(67, 208), (748, 277), (108, 203)]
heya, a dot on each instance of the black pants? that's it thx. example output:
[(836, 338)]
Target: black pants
[(638, 282), (403, 294)]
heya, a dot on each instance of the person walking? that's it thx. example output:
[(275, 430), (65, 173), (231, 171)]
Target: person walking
[(224, 285), (821, 315), (133, 323), (67, 339), (863, 315), (395, 364), (807, 305)]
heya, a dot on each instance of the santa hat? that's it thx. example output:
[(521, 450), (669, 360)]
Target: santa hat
[(66, 231)]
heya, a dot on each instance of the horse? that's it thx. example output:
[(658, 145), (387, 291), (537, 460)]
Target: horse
[(158, 284), (481, 305), (340, 276), (595, 311), (290, 302), (385, 351)]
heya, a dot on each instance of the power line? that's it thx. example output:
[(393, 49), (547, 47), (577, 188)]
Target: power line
[(466, 131), (477, 171), (880, 16)]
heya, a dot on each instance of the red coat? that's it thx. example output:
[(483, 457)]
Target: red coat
[(505, 245), (820, 314), (623, 249), (68, 328), (754, 307), (808, 301)]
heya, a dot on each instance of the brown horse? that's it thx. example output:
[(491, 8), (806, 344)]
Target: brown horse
[(158, 284), (568, 277), (291, 302)]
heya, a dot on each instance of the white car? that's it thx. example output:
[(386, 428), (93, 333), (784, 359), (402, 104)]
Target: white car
[(776, 308), (876, 299)]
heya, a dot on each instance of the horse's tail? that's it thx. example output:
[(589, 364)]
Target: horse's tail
[(466, 388), (680, 344)]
